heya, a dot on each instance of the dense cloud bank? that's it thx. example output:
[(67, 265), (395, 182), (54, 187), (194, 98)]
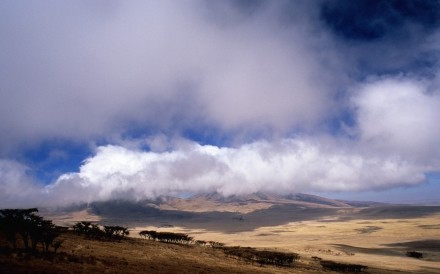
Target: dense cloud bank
[(282, 167), (309, 96), (288, 165)]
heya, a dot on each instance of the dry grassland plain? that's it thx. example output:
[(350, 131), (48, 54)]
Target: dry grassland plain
[(380, 243), (374, 236)]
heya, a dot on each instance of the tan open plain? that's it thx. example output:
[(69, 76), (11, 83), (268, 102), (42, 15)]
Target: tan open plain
[(374, 235), (378, 243)]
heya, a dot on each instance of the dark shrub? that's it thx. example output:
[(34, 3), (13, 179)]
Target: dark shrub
[(341, 267), (251, 255), (167, 237), (414, 254)]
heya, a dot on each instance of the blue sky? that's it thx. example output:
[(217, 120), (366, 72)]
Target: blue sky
[(116, 99)]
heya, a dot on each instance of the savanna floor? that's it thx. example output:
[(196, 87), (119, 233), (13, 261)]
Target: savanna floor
[(380, 243), (377, 241), (79, 255)]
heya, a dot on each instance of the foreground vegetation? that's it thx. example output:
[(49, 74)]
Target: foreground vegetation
[(24, 227), (94, 231), (80, 254), (167, 237), (262, 257), (247, 254)]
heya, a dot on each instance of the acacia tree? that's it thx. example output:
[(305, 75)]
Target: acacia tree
[(15, 222), (150, 234), (94, 231), (31, 228), (44, 232), (82, 228), (168, 237), (115, 233)]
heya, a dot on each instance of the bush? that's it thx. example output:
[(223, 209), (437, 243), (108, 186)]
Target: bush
[(82, 228), (167, 237), (201, 243), (340, 267), (150, 234), (115, 233), (251, 255), (414, 254), (215, 244)]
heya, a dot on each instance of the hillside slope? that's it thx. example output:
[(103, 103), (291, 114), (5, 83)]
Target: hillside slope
[(78, 255)]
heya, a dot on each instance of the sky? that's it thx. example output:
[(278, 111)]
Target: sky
[(103, 100)]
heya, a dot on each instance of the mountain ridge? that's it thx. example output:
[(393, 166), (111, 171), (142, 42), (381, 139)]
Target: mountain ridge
[(269, 199)]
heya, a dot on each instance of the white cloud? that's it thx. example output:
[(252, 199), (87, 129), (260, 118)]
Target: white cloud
[(285, 166), (399, 116)]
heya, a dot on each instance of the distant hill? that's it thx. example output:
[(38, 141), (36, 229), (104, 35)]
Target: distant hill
[(213, 211), (248, 202), (314, 199)]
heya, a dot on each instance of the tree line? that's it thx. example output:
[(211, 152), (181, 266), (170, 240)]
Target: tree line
[(262, 257), (167, 237), (248, 254), (24, 228), (178, 238), (342, 267), (95, 232)]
